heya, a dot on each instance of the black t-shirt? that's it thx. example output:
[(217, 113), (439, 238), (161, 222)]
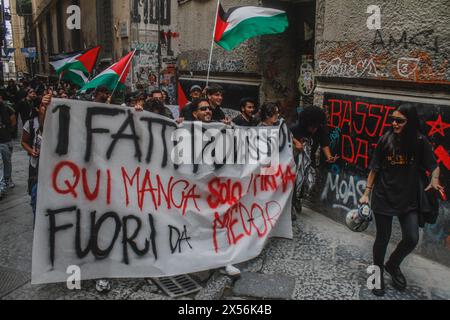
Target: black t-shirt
[(320, 137), (397, 181), (186, 112), (241, 121), (217, 114), (5, 123), (25, 107)]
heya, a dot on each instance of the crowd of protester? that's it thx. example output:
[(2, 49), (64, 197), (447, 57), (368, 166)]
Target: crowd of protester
[(24, 105)]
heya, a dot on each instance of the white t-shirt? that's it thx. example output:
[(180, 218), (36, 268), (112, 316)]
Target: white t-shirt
[(37, 138)]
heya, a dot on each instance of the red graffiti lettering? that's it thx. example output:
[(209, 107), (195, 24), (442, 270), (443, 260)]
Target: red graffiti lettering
[(347, 118), (71, 188), (377, 117), (67, 169), (443, 156), (179, 194), (335, 114), (91, 196), (108, 192), (347, 144), (223, 193), (239, 222), (363, 152), (362, 114)]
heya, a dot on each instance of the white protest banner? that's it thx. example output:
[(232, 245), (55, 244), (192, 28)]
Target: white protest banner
[(115, 200)]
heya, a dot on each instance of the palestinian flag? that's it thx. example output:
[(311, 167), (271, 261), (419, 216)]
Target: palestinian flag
[(182, 100), (76, 67), (114, 77), (242, 23)]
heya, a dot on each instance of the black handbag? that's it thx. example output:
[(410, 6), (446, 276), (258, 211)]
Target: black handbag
[(428, 202)]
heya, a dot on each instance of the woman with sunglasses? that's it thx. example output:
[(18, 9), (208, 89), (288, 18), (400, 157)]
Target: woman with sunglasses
[(393, 185)]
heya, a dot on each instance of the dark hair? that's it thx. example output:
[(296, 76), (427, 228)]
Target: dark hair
[(154, 106), (214, 89), (313, 117), (268, 110), (409, 138), (244, 102), (101, 89), (195, 104), (155, 91), (408, 141), (167, 100)]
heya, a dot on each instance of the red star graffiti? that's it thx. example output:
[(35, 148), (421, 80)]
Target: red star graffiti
[(438, 126)]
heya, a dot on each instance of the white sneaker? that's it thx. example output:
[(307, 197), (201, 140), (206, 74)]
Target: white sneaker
[(3, 190), (232, 271), (102, 286)]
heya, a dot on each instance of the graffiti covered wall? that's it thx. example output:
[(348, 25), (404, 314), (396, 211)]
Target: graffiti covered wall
[(196, 19), (410, 44), (356, 124), (145, 39)]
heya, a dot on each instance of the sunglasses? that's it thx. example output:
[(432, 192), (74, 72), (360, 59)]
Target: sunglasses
[(205, 109), (398, 120)]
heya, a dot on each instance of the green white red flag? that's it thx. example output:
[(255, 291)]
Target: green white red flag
[(114, 77), (76, 67), (242, 23)]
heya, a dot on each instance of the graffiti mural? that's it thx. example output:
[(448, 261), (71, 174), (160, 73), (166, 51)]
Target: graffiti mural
[(394, 59), (155, 55), (356, 124)]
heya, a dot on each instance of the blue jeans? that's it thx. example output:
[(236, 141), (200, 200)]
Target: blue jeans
[(6, 153)]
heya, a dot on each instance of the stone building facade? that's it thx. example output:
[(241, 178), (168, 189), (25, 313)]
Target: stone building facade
[(103, 22)]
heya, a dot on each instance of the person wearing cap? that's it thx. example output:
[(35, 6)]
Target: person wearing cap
[(195, 94)]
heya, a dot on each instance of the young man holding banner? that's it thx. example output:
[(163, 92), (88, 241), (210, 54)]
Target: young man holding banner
[(31, 142)]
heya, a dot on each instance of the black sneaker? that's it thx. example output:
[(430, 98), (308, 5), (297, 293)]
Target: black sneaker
[(398, 279)]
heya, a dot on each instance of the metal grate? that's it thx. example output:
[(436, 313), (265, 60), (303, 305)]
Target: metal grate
[(11, 279), (177, 286)]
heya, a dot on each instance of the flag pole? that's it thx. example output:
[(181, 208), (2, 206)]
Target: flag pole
[(212, 43), (125, 69), (59, 80)]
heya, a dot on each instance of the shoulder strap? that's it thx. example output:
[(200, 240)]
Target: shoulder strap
[(32, 133)]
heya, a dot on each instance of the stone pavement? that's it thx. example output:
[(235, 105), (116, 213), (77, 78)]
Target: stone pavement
[(324, 261)]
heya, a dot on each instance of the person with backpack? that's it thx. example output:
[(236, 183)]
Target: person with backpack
[(394, 186), (309, 133), (31, 142)]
